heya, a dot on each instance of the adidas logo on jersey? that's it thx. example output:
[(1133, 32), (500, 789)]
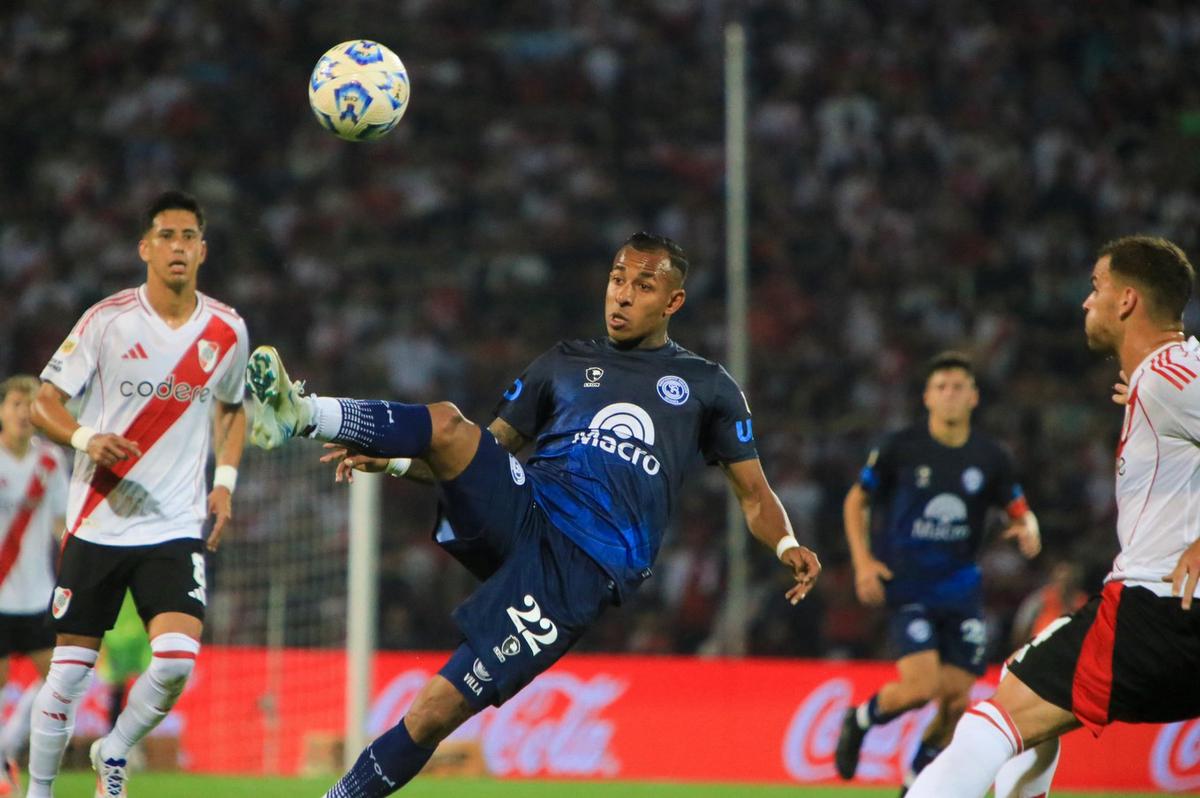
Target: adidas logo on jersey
[(136, 352)]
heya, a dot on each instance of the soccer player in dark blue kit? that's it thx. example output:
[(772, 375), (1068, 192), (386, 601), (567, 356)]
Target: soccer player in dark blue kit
[(932, 484), (617, 422)]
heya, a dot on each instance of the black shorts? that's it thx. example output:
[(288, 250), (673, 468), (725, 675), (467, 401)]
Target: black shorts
[(1126, 655), (92, 579), (22, 634)]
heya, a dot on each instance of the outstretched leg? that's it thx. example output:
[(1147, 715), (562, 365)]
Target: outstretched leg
[(437, 433)]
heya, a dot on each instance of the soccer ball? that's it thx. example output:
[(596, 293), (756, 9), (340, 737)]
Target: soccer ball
[(358, 90)]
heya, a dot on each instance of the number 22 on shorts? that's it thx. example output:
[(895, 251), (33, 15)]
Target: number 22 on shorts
[(532, 615)]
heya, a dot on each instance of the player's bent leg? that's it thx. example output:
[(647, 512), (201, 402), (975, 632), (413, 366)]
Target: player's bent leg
[(397, 755), (1029, 774), (989, 734), (916, 686), (53, 715)]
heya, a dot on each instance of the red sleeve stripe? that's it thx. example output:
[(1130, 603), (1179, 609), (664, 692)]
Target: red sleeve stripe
[(123, 298), (1170, 360)]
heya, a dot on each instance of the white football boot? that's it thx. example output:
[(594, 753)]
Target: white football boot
[(280, 409), (111, 774)]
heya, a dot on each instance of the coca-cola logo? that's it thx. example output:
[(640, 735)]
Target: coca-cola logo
[(1175, 757), (554, 727), (812, 734)]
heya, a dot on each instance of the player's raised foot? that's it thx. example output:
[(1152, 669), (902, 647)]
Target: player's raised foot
[(111, 774), (280, 411), (850, 740), (10, 778)]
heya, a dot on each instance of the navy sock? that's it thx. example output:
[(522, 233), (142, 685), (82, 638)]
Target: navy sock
[(384, 429), (876, 716), (383, 767), (926, 753)]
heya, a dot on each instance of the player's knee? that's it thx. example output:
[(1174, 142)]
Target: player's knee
[(172, 661), (447, 423), (71, 671)]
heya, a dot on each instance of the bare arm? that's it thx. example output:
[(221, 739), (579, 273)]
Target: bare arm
[(418, 470), (50, 415), (229, 439), (868, 571), (769, 524)]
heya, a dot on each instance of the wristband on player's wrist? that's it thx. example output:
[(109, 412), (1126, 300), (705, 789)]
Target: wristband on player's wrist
[(81, 437), (785, 543), (398, 466), (225, 476)]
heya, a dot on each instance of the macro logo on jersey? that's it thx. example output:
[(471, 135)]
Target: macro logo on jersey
[(614, 427), (167, 389), (944, 519), (673, 390), (972, 480), (207, 352)]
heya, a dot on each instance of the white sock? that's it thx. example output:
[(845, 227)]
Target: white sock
[(1029, 774), (862, 714), (153, 694), (326, 417), (15, 733), (53, 716), (983, 741)]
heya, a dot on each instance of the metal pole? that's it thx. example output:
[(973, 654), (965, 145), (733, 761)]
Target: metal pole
[(362, 608), (737, 358)]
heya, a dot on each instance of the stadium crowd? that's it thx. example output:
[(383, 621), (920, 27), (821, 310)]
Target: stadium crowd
[(924, 175)]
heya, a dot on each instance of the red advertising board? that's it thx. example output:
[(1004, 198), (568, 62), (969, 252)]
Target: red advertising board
[(250, 710)]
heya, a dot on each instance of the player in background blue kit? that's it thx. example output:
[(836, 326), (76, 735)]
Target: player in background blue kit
[(932, 485), (617, 423)]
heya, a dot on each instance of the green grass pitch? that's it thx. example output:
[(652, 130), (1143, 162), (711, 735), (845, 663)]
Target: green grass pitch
[(171, 785)]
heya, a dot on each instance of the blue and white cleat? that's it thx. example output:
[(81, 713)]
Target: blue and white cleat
[(280, 409), (111, 774)]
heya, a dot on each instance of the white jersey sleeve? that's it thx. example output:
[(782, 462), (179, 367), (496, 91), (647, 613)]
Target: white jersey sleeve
[(1158, 467), (74, 363)]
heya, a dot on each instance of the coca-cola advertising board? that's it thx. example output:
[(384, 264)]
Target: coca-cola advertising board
[(253, 711)]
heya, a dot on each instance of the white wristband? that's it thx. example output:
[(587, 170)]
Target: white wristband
[(81, 437), (225, 476), (398, 466), (785, 543)]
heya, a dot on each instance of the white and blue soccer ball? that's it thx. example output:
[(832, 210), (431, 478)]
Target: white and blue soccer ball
[(358, 90)]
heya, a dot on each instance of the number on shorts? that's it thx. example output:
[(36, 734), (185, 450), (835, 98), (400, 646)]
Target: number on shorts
[(201, 591), (533, 616)]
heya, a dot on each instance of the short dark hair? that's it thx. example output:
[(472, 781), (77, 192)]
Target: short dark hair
[(649, 242), (1158, 267), (171, 201), (950, 359)]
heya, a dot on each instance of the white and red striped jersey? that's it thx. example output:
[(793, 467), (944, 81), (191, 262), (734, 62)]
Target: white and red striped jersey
[(1158, 467), (156, 386), (33, 499)]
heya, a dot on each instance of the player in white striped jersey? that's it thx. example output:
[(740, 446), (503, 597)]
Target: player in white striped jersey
[(1133, 652), (33, 495), (159, 368)]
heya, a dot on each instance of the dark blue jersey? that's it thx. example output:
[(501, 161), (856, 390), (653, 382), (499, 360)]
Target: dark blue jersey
[(929, 504), (616, 431)]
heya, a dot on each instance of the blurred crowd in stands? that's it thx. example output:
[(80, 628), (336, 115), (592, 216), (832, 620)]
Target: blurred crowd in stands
[(924, 175)]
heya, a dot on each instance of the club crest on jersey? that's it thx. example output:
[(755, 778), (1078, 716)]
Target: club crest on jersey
[(62, 600), (673, 390), (207, 351), (518, 472), (591, 376), (972, 480)]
